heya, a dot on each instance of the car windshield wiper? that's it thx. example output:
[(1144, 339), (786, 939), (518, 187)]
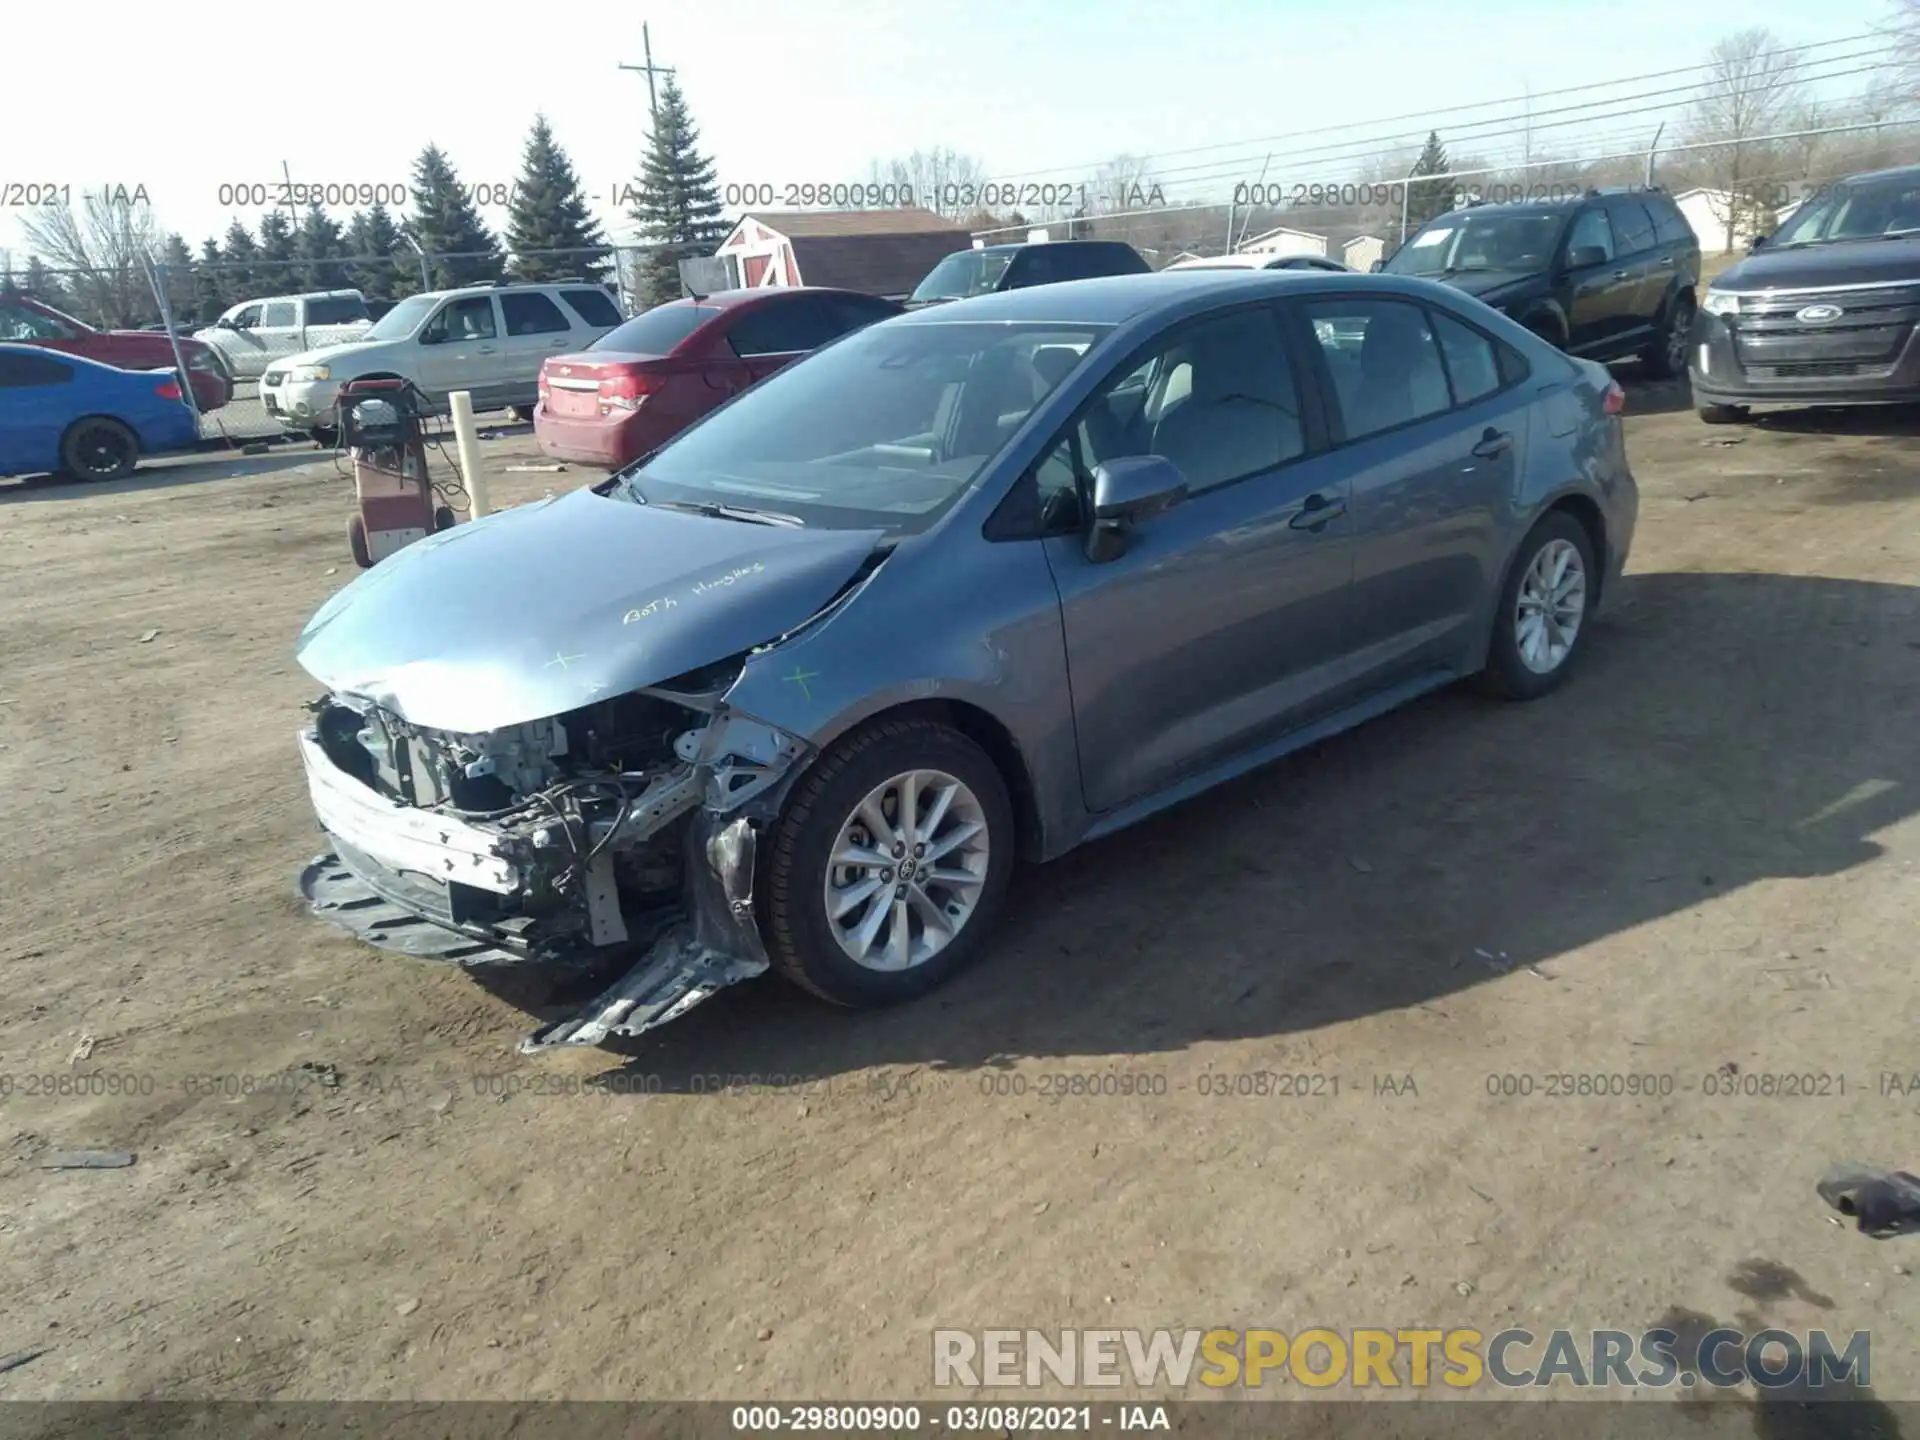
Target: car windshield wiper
[(1906, 234), (714, 510)]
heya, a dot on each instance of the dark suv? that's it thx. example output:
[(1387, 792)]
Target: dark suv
[(1825, 312), (1608, 275), (967, 273)]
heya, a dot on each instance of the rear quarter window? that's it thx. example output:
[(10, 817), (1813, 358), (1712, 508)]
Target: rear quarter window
[(595, 307)]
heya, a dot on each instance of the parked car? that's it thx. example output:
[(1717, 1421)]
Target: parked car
[(967, 273), (1824, 312), (489, 340), (1261, 262), (27, 321), (65, 414), (255, 333), (794, 691), (1606, 275), (636, 387)]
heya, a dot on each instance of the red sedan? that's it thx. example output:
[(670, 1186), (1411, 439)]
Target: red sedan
[(638, 386), (27, 321)]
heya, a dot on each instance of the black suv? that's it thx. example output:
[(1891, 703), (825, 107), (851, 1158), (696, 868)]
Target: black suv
[(967, 273), (1608, 275), (1826, 311)]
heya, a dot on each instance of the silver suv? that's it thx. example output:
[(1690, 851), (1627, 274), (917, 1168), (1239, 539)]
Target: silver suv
[(489, 340)]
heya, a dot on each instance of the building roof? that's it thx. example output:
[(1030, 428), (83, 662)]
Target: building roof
[(888, 265), (1283, 230), (798, 224)]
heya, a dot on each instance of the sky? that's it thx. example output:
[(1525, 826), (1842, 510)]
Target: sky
[(800, 92)]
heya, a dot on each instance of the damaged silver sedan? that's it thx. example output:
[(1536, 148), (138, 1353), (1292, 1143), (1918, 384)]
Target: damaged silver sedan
[(976, 583)]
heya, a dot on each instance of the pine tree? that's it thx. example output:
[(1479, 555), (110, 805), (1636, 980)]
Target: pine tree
[(242, 280), (446, 223), (549, 212), (176, 262), (1428, 198), (211, 284), (42, 284), (277, 245), (320, 243), (676, 200), (373, 232)]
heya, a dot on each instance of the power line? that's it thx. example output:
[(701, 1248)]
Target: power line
[(1427, 115)]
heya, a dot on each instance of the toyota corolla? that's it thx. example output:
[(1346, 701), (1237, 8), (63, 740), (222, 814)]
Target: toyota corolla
[(978, 583)]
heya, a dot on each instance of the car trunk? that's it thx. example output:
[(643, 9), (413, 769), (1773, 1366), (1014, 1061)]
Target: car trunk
[(601, 383)]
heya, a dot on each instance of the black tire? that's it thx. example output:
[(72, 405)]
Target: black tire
[(444, 518), (521, 413), (1507, 675), (1665, 357), (99, 448), (327, 437), (793, 918), (357, 543), (1722, 414)]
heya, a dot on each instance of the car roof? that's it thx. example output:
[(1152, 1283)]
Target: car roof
[(1898, 172), (1117, 299)]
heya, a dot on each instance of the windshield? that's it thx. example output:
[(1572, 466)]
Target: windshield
[(884, 429), (965, 273), (403, 319), (657, 331), (1480, 240), (1856, 211)]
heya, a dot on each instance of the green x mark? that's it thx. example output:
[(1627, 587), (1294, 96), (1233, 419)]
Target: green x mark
[(800, 678)]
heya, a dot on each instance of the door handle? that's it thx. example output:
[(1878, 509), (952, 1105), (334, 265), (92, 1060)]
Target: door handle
[(1619, 274), (486, 350), (1317, 511), (1493, 443)]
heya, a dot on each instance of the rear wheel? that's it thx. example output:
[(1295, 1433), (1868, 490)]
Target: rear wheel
[(1666, 354), (1542, 615), (888, 867), (444, 518), (99, 449), (1723, 414), (357, 543)]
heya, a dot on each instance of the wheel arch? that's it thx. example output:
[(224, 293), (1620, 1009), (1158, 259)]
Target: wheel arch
[(132, 430), (991, 734), (1586, 513)]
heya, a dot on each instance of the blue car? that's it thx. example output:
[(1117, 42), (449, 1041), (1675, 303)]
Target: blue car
[(63, 414)]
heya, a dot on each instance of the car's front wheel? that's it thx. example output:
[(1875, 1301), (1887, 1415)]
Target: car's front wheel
[(1543, 610), (1722, 414), (99, 449), (889, 865)]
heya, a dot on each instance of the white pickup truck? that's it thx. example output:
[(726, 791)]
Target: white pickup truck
[(255, 333)]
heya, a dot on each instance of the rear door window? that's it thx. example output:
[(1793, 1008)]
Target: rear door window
[(1632, 226), (528, 312), (785, 327), (1383, 360)]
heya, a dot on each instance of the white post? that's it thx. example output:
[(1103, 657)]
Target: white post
[(466, 441)]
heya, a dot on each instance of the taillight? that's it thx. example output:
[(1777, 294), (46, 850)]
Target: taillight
[(1616, 399), (168, 390), (625, 388)]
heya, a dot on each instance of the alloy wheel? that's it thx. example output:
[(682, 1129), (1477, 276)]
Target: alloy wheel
[(1550, 607), (906, 871), (1677, 334)]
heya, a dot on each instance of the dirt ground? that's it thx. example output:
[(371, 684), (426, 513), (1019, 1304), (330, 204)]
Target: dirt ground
[(1698, 856)]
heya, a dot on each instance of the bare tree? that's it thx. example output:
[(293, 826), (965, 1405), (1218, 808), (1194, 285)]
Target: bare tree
[(1752, 89), (105, 245), (940, 179), (1906, 41), (1126, 182)]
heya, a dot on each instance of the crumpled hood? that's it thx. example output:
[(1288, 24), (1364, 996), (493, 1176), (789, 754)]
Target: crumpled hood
[(538, 610)]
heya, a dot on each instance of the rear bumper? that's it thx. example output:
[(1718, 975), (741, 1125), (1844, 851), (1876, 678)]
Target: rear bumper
[(1821, 372), (607, 442), (210, 391)]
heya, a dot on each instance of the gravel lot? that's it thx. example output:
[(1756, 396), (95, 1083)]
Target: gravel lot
[(1698, 859)]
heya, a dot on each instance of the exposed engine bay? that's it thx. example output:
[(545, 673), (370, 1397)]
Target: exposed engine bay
[(624, 828)]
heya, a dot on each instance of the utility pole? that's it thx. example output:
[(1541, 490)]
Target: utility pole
[(649, 69)]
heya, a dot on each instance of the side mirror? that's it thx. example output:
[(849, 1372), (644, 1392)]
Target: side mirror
[(1126, 492), (1585, 256), (1758, 241), (225, 322), (1377, 267)]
